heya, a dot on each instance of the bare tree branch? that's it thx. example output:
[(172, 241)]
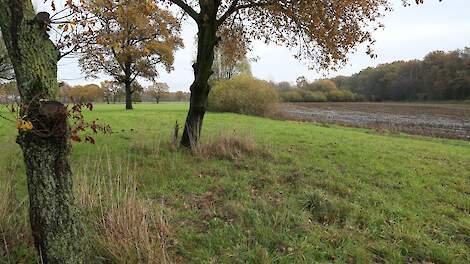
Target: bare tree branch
[(186, 8)]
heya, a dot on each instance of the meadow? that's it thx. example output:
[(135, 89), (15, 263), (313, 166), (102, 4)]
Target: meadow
[(256, 191)]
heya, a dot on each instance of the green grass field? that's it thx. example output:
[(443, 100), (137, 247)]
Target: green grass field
[(308, 193)]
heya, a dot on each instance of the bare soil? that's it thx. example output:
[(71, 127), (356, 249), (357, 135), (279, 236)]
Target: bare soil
[(428, 119)]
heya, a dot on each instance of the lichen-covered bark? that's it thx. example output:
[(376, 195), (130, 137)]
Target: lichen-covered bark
[(32, 54), (54, 219)]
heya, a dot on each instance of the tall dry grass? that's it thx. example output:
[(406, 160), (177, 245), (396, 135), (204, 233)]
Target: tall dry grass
[(124, 227), (14, 224), (228, 145), (6, 201)]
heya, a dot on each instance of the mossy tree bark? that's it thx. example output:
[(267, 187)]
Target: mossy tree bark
[(55, 223)]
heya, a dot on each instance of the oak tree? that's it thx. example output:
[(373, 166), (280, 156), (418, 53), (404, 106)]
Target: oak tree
[(86, 93), (323, 32), (180, 96), (157, 90), (128, 40), (110, 91)]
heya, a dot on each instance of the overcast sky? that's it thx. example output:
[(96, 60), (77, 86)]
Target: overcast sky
[(410, 33)]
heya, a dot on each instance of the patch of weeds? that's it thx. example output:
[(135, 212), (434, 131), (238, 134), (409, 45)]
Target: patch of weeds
[(124, 228), (16, 241), (361, 219), (204, 203), (229, 146), (324, 209), (146, 148), (417, 249), (260, 182), (294, 179), (132, 231), (335, 187), (231, 211)]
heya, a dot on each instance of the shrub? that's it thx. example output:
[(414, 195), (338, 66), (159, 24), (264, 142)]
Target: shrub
[(350, 97), (325, 86), (335, 96), (341, 96), (292, 96), (243, 94), (309, 96)]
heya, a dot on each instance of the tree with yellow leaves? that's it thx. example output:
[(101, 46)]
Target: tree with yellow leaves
[(127, 40), (157, 90)]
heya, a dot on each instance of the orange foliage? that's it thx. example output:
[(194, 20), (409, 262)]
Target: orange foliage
[(128, 39)]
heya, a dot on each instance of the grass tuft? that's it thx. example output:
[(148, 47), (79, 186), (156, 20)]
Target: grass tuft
[(324, 209), (228, 145)]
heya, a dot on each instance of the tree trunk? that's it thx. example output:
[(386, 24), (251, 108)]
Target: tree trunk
[(54, 219), (55, 224), (128, 96), (200, 88)]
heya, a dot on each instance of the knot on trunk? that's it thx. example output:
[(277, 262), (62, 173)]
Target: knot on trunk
[(49, 119), (42, 20)]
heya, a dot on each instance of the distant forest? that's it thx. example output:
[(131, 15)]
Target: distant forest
[(439, 76)]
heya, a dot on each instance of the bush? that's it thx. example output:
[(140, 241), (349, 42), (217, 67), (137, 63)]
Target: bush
[(325, 86), (292, 96), (341, 96), (244, 95), (309, 96), (305, 95)]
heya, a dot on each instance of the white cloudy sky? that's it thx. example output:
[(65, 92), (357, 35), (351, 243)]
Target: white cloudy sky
[(410, 33)]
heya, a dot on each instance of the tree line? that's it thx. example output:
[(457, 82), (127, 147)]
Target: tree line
[(317, 91), (111, 92), (439, 76), (107, 92)]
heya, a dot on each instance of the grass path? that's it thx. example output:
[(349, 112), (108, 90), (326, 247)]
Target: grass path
[(322, 194)]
